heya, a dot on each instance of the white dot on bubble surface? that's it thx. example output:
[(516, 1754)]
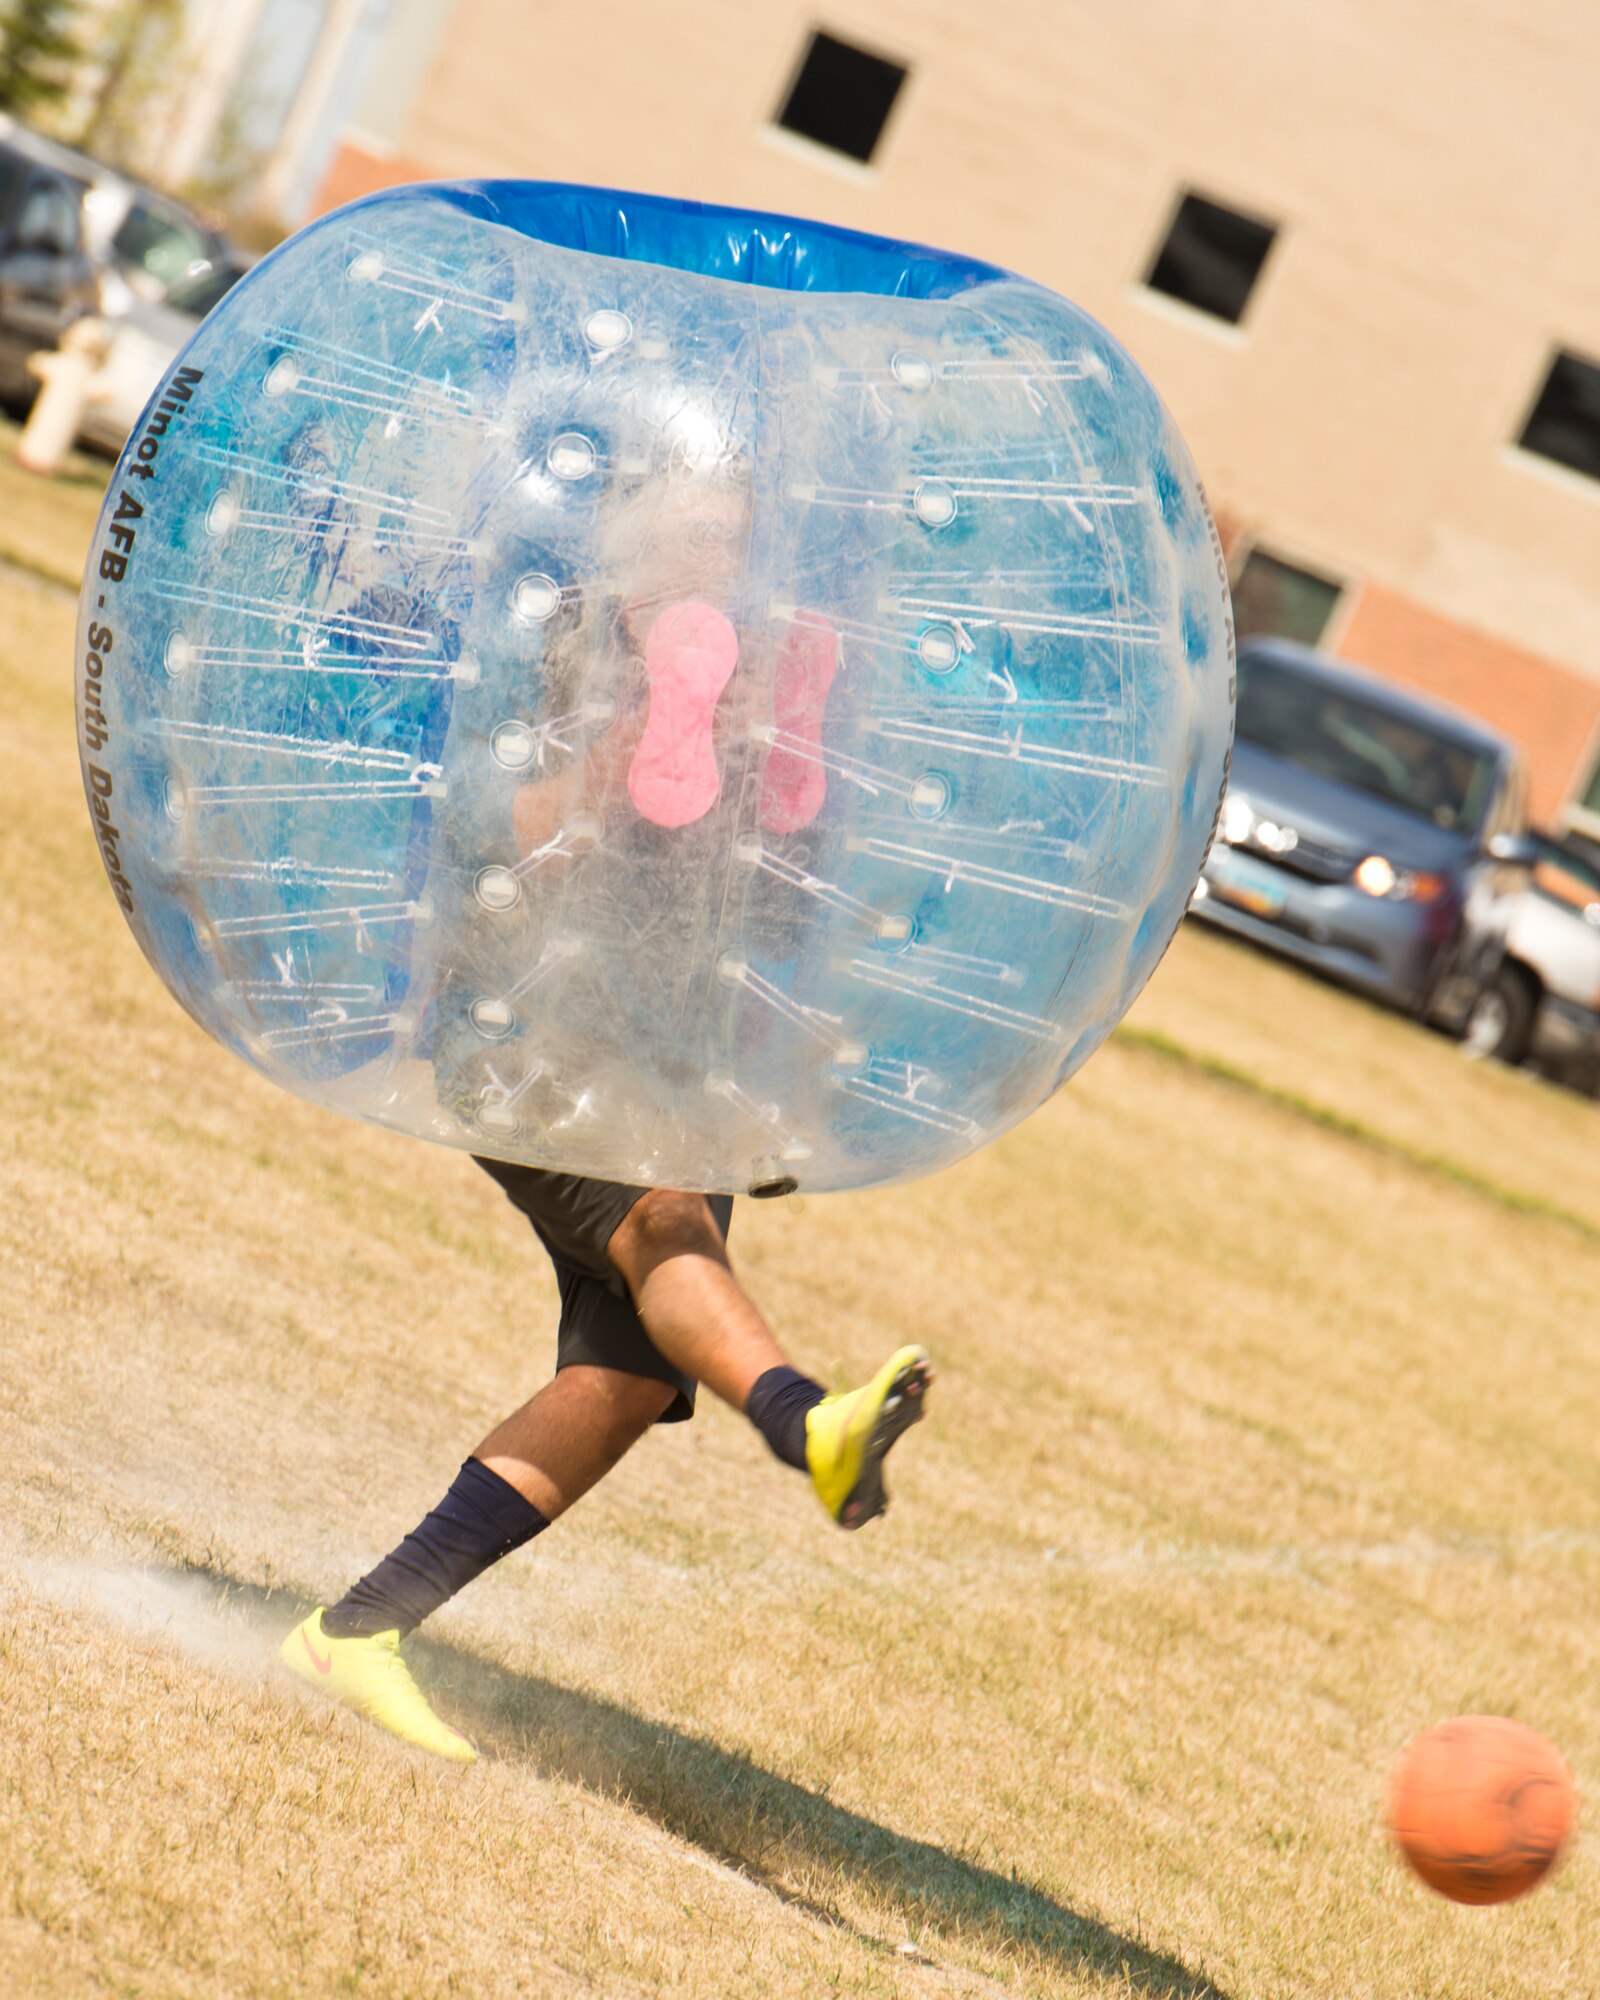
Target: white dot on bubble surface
[(282, 376), (174, 799), (178, 654), (608, 328), (912, 372), (497, 1118), (491, 1018), (535, 597), (930, 795), (938, 649), (496, 888), (582, 832), (571, 456), (222, 513), (511, 745), (935, 503), (895, 929), (367, 266)]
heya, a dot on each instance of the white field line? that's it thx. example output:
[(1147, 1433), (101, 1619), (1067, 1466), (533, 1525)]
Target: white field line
[(1166, 1559)]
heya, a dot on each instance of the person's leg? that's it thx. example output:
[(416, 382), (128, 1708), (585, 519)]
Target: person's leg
[(621, 1368), (569, 1436), (650, 1306), (525, 1474), (674, 1261), (673, 1256)]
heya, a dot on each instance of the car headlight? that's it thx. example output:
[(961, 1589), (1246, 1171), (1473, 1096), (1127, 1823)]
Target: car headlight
[(1243, 826), (1238, 817), (1378, 877)]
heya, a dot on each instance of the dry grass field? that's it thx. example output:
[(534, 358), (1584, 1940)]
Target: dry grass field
[(1264, 1436)]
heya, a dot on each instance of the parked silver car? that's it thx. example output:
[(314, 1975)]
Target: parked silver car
[(1543, 1005)]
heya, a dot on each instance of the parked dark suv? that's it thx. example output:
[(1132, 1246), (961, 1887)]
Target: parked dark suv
[(1372, 834), (47, 275)]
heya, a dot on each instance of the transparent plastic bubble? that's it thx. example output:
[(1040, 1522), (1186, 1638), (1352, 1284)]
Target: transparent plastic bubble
[(603, 707)]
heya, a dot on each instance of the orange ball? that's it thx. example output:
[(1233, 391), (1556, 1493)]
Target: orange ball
[(1481, 1807)]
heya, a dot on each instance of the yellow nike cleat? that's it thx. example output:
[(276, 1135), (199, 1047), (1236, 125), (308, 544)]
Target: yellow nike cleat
[(368, 1675), (848, 1436)]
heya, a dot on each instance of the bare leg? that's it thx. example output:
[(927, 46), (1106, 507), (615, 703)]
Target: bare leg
[(572, 1433), (567, 1437), (669, 1249)]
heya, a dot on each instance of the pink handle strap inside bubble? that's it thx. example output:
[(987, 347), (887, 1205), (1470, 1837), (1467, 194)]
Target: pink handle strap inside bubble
[(795, 782), (689, 658)]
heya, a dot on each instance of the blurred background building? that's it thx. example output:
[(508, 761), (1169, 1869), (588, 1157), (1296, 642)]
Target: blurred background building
[(1356, 245)]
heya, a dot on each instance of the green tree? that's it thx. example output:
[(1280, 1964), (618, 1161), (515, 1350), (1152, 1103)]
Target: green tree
[(142, 69), (37, 54)]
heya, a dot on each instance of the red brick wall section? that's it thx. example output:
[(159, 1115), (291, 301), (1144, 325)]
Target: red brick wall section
[(1550, 710), (354, 171)]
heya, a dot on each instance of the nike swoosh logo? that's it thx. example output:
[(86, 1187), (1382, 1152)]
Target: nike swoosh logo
[(322, 1666)]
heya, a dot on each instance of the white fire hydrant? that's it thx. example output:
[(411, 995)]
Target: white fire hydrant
[(67, 373)]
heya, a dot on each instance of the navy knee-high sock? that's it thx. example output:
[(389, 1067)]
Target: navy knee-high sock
[(480, 1519), (778, 1405)]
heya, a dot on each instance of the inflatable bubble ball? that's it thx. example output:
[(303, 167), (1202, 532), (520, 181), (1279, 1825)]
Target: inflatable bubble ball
[(654, 691)]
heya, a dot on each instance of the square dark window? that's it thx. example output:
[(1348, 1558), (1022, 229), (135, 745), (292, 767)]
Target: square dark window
[(1565, 424), (1211, 258), (1277, 599), (841, 97)]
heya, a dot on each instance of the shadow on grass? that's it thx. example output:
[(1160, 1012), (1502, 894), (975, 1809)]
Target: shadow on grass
[(772, 1830)]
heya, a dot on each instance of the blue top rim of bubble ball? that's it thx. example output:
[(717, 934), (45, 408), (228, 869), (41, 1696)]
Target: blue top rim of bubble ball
[(741, 245)]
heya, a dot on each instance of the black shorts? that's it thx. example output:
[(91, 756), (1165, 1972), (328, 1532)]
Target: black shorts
[(574, 1219)]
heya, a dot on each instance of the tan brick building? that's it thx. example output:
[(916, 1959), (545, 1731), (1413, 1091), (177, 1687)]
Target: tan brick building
[(1426, 181)]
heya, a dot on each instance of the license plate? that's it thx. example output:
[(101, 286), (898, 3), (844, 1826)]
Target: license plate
[(1249, 885)]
